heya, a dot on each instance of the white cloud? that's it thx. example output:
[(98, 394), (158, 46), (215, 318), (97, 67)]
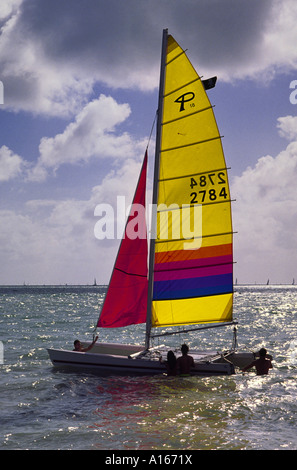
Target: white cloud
[(32, 82), (281, 35), (52, 53), (51, 241), (7, 7), (287, 126), (11, 164), (117, 190), (118, 182), (91, 134), (54, 248), (265, 216)]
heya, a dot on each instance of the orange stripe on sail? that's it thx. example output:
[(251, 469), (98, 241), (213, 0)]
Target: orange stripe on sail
[(204, 252)]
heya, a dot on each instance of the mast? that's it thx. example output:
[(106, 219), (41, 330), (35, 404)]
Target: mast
[(155, 190)]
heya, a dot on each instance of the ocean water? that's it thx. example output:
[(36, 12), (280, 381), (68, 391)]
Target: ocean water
[(41, 408)]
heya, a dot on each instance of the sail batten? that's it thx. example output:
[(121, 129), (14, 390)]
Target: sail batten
[(182, 86), (176, 57), (131, 274), (174, 240), (192, 143), (193, 174)]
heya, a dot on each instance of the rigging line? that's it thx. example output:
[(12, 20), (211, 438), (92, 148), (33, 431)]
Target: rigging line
[(153, 125)]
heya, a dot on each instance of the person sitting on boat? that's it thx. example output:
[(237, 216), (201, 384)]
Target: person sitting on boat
[(170, 364), (78, 347), (184, 363), (262, 365)]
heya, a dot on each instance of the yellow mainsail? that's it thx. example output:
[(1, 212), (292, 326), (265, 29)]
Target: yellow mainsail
[(193, 261)]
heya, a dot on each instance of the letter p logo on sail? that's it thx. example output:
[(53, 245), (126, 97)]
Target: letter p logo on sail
[(189, 96)]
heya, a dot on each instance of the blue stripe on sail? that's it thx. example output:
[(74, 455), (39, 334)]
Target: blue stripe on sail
[(197, 287)]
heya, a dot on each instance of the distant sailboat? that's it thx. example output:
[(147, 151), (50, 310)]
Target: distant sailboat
[(186, 282)]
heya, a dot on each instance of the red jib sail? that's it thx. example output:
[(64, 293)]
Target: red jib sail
[(126, 299)]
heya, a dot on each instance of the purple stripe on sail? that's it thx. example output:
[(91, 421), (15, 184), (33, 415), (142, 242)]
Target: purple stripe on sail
[(193, 273), (191, 263)]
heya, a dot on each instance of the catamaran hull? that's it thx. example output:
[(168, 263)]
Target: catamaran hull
[(113, 364)]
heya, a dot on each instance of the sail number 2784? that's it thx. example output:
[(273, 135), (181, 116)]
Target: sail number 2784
[(209, 187)]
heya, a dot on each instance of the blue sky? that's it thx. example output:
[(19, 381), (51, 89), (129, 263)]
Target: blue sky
[(80, 95)]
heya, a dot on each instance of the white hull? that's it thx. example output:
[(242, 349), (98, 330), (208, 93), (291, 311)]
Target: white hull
[(122, 359)]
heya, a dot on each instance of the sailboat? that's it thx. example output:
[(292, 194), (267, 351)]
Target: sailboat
[(186, 276)]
